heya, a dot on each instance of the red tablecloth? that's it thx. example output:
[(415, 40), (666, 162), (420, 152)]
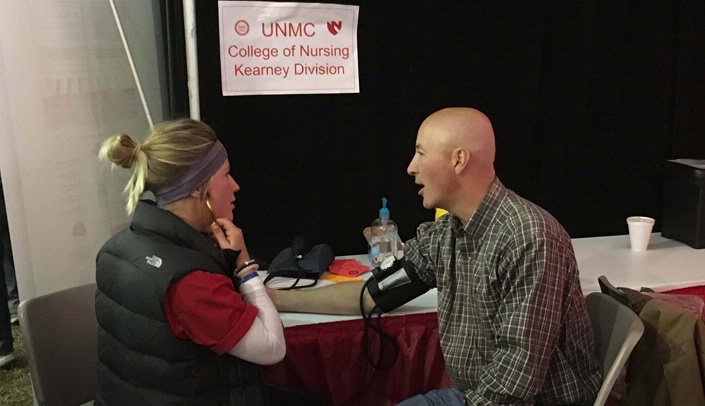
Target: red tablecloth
[(691, 290), (328, 358)]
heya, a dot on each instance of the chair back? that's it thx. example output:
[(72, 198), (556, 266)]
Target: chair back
[(617, 330), (607, 288), (60, 333)]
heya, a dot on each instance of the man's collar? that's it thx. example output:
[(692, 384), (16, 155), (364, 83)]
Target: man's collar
[(478, 223)]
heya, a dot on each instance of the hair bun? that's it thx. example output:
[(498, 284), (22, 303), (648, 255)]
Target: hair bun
[(135, 150), (123, 151)]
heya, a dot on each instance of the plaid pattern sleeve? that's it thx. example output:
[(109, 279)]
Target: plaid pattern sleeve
[(417, 250), (513, 324)]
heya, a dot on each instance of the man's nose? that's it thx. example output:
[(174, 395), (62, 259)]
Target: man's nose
[(411, 170)]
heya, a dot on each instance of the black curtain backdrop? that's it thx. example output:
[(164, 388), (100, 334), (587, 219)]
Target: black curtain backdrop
[(587, 100)]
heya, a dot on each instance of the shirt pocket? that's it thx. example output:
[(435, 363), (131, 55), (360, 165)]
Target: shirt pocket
[(481, 287)]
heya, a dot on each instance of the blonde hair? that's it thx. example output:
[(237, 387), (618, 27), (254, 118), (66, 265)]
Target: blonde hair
[(170, 149)]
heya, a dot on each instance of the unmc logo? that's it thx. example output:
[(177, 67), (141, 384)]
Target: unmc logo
[(334, 27), (242, 27)]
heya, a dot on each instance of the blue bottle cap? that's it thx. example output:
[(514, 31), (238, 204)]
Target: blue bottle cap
[(384, 211)]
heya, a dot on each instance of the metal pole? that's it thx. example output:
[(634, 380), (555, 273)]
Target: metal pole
[(132, 64), (192, 58)]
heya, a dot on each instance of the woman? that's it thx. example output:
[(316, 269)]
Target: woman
[(183, 317)]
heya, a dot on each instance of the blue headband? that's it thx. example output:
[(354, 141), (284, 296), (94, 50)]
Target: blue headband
[(194, 177)]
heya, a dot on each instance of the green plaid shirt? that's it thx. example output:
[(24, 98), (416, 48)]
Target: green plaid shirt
[(513, 324)]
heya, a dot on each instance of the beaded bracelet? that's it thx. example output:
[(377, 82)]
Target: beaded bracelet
[(244, 265), (248, 265)]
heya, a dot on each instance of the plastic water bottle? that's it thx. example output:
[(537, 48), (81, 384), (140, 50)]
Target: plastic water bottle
[(383, 240)]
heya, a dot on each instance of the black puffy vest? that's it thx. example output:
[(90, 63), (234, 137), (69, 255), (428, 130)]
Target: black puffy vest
[(140, 360)]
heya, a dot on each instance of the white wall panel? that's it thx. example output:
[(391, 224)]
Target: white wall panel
[(65, 85)]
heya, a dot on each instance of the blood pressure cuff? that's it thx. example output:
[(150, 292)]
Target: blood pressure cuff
[(395, 285), (310, 266)]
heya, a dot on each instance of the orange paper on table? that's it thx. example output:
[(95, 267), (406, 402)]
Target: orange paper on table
[(327, 276), (347, 267)]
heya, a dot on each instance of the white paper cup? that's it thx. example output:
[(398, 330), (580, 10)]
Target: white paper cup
[(640, 231)]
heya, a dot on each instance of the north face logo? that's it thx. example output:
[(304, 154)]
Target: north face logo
[(154, 260)]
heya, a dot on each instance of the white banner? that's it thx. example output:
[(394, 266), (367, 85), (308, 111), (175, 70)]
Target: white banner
[(288, 48)]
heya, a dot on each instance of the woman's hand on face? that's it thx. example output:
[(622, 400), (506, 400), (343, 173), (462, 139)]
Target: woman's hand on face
[(228, 235)]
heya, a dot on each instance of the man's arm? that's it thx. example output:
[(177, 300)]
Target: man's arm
[(344, 298), (392, 285), (341, 298)]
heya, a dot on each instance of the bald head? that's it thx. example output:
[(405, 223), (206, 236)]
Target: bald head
[(461, 127), (454, 160)]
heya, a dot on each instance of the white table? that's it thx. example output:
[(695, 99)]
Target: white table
[(667, 264)]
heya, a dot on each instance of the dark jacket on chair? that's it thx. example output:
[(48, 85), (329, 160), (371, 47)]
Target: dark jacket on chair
[(667, 366), (140, 361)]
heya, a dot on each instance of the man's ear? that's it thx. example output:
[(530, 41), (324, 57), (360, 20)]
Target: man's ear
[(460, 159)]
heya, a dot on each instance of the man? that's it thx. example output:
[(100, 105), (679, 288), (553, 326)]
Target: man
[(513, 323)]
